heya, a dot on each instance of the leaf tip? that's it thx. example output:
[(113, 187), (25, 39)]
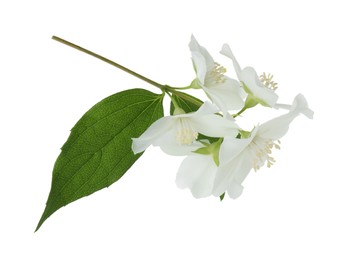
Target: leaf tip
[(41, 221)]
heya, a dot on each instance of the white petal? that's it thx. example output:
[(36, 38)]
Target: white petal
[(245, 160), (169, 144), (222, 180), (276, 128), (257, 89), (227, 95), (152, 134), (199, 64), (196, 47), (226, 50), (197, 172), (300, 105), (230, 176), (234, 190), (228, 116), (206, 109), (213, 126), (180, 149), (251, 80), (231, 147)]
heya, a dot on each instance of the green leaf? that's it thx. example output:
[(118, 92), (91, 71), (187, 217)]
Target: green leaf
[(98, 151), (185, 104)]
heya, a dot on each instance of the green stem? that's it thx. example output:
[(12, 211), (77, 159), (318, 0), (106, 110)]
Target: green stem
[(162, 87), (182, 88), (241, 111)]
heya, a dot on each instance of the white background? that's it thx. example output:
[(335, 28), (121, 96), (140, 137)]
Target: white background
[(299, 209)]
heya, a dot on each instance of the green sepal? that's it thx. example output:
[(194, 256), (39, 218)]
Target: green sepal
[(212, 149), (222, 196), (244, 134), (98, 151), (195, 84), (251, 100), (203, 150)]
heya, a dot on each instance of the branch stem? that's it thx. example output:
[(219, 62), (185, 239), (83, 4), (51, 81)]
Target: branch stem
[(72, 45)]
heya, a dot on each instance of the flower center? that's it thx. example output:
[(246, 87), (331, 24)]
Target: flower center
[(185, 134), (261, 149), (267, 81), (217, 73)]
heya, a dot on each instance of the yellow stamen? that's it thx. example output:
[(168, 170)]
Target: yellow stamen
[(268, 82), (262, 149), (185, 134), (217, 73)]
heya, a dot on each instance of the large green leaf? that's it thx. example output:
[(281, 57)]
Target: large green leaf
[(98, 150)]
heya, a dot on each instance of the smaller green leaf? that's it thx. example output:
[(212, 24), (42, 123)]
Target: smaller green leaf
[(185, 104)]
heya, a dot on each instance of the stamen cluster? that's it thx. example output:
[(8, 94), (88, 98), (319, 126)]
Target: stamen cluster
[(267, 81), (217, 73)]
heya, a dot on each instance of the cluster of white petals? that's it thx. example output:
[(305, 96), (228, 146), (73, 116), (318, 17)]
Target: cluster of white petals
[(177, 134), (219, 167), (251, 82), (223, 91), (239, 156)]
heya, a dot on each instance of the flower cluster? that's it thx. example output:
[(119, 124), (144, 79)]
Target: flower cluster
[(219, 153)]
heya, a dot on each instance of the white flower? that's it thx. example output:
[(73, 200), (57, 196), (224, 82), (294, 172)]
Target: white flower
[(225, 92), (257, 91), (177, 134), (238, 156)]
